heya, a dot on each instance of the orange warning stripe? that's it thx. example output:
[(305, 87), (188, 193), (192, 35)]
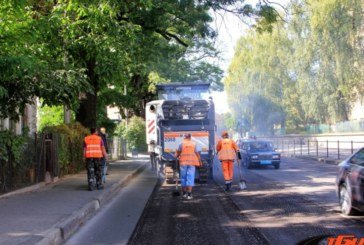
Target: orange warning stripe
[(181, 134)]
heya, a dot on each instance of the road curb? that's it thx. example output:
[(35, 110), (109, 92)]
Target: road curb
[(63, 230), (51, 236), (106, 196), (71, 224), (321, 159)]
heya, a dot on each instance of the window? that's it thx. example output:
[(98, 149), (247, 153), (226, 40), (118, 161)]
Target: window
[(358, 158), (260, 146)]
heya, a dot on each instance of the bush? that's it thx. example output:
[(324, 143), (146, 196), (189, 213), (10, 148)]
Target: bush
[(70, 146), (134, 133), (11, 152)]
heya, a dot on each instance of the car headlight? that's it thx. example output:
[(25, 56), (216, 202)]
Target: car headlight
[(255, 157), (276, 156)]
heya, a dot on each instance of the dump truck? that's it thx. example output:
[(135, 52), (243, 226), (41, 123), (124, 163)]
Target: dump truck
[(181, 108)]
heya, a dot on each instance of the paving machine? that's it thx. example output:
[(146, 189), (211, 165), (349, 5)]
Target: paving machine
[(182, 108)]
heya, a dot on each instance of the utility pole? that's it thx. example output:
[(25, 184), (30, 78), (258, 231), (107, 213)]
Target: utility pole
[(126, 125)]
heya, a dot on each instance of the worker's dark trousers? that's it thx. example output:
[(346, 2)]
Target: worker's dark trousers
[(96, 164)]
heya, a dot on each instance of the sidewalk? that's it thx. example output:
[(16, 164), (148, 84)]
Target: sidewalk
[(322, 159), (52, 213)]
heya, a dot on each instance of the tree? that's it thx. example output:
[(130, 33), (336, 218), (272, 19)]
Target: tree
[(304, 71), (50, 116), (73, 52), (17, 66), (256, 79), (135, 134)]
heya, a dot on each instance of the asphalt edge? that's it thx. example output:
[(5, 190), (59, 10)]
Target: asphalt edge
[(60, 232), (158, 184), (239, 209)]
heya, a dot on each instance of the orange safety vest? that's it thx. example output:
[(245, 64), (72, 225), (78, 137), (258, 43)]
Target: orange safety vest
[(227, 151), (188, 155), (93, 146)]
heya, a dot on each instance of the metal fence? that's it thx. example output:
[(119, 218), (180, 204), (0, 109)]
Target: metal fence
[(39, 155), (41, 160), (333, 149)]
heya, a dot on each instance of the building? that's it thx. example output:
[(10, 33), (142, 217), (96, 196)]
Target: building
[(27, 120)]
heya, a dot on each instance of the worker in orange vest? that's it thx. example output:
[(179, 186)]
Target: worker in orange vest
[(93, 151), (189, 158), (227, 152)]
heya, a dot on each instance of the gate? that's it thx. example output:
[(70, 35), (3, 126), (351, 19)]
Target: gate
[(47, 156)]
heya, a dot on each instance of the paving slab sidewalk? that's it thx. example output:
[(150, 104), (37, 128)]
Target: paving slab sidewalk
[(52, 213)]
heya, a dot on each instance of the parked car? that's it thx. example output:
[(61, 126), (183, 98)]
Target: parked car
[(350, 183), (259, 153)]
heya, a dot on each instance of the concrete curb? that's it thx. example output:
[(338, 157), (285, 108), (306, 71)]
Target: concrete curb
[(51, 236), (63, 230), (321, 159), (71, 224)]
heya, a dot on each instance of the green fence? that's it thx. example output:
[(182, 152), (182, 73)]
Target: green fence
[(340, 127)]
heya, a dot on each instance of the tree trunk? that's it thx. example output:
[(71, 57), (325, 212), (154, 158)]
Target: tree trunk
[(87, 112), (141, 94)]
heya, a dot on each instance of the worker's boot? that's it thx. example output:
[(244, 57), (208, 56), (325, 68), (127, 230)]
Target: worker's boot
[(227, 187)]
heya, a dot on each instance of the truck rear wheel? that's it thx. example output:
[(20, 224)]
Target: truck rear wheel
[(203, 173)]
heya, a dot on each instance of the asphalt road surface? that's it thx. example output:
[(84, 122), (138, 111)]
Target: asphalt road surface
[(285, 206)]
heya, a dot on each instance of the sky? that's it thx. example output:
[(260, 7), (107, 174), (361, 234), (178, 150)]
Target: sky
[(230, 28)]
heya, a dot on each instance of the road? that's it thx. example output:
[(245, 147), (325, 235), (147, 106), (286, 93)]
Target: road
[(115, 222), (295, 202), (282, 206)]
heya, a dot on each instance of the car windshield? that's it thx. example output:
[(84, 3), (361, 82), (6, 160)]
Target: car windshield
[(358, 158), (259, 146)]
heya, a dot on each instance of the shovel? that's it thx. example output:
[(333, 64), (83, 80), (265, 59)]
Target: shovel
[(176, 192), (242, 182)]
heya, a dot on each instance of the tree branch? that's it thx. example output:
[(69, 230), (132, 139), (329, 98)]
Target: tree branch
[(278, 14), (169, 36)]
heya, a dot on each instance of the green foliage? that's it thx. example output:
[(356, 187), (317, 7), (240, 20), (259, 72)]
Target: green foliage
[(50, 116), (134, 133), (120, 129), (302, 72), (74, 52), (11, 147), (226, 121), (12, 166), (70, 147), (62, 51)]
